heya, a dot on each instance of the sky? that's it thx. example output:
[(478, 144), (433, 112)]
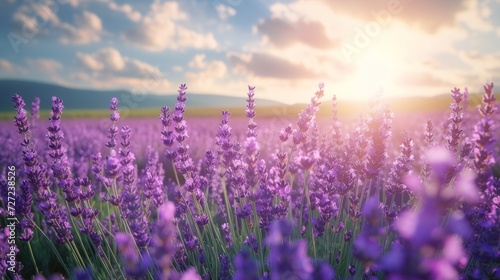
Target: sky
[(283, 48)]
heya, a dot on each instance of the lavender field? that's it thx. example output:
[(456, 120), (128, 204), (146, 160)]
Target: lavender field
[(379, 196)]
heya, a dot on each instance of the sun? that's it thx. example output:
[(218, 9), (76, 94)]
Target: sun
[(375, 70)]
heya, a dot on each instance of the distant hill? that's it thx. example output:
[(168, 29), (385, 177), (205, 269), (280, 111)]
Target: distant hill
[(87, 99), (81, 103)]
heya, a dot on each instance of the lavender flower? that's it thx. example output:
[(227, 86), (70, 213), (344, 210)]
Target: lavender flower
[(265, 196), (245, 267), (307, 116), (98, 170), (445, 229), (360, 148), (251, 145), (21, 119), (134, 265), (429, 141), (113, 167), (401, 167), (345, 177), (378, 131), (60, 165), (223, 140), (114, 117), (285, 258), (228, 238), (352, 269), (163, 243), (427, 227), (224, 267), (167, 134), (484, 138), (183, 161), (25, 202), (252, 242), (336, 126), (485, 215), (131, 208), (35, 112), (456, 119), (38, 177), (83, 188), (154, 187), (366, 246), (285, 133)]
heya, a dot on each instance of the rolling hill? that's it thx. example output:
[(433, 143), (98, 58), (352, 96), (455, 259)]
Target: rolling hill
[(87, 99), (81, 103)]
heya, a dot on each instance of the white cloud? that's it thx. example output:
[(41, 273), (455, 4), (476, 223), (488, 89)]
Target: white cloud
[(225, 11), (198, 61), (9, 69), (43, 65), (89, 62), (477, 16), (87, 29), (72, 3), (107, 58), (125, 9), (482, 67), (6, 66), (396, 50), (177, 68), (208, 72), (107, 68), (161, 29), (34, 16), (478, 60), (38, 17), (137, 68), (280, 10)]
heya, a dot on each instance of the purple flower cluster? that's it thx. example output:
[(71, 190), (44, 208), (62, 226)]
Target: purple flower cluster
[(484, 216), (21, 118), (38, 176), (35, 112), (251, 144), (163, 243), (430, 244), (318, 204), (456, 119), (130, 208), (153, 179), (401, 167), (135, 265), (289, 259), (379, 125)]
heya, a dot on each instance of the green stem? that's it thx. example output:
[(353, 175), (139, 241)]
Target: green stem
[(228, 208), (110, 250), (308, 201), (53, 248), (33, 258), (72, 247)]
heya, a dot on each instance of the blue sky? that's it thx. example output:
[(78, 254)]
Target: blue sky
[(284, 48)]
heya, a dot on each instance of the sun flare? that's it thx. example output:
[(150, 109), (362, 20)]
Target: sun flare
[(375, 71)]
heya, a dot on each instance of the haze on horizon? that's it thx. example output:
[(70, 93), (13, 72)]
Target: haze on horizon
[(284, 48)]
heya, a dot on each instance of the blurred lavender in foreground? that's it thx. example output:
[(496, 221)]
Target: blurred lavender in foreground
[(485, 216), (430, 245)]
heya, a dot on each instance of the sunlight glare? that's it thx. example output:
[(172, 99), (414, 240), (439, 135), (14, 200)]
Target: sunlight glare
[(375, 71)]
